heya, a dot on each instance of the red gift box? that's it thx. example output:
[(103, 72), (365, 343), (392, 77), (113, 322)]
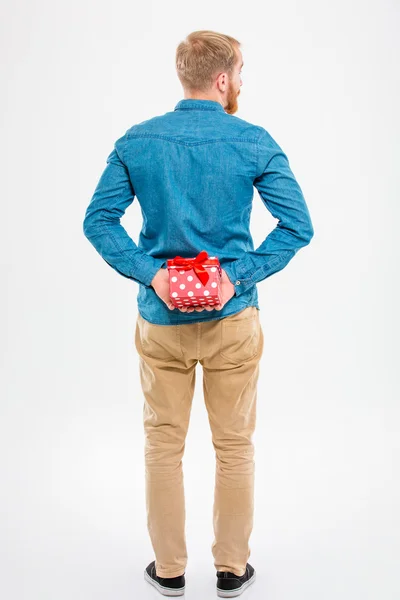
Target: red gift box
[(194, 281)]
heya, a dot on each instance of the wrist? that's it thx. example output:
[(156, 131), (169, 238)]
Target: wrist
[(156, 276)]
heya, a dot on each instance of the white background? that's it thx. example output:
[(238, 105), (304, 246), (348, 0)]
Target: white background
[(323, 78)]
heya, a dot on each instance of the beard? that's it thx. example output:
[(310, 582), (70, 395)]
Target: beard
[(232, 103)]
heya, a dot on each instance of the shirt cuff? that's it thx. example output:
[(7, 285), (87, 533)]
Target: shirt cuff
[(145, 270), (235, 273)]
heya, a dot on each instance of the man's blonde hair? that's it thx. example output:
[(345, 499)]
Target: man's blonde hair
[(202, 55)]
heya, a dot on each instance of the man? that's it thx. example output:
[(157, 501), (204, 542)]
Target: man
[(193, 171)]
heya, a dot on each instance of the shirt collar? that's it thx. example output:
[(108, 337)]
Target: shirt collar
[(198, 104)]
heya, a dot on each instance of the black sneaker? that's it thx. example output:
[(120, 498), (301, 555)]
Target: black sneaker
[(230, 585), (168, 586)]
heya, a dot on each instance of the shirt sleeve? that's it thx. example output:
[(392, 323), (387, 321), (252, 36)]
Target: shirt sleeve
[(112, 196), (283, 197)]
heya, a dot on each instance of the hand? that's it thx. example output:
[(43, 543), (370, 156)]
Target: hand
[(227, 290), (160, 283)]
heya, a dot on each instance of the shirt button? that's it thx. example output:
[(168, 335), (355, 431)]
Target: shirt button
[(237, 282)]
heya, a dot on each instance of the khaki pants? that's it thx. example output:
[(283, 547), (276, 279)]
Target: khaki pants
[(229, 350)]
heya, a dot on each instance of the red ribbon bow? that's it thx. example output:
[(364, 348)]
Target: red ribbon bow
[(196, 264)]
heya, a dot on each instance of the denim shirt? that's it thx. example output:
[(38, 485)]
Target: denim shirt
[(193, 171)]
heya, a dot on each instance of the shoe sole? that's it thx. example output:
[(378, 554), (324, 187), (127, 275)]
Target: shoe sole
[(237, 591), (165, 591)]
